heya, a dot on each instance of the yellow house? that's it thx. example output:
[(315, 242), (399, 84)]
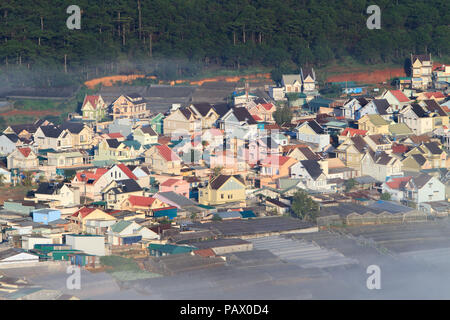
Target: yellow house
[(373, 124), (182, 120), (351, 152), (80, 217), (223, 189), (143, 204), (162, 159), (421, 70)]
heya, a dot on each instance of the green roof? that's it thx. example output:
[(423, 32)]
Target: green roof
[(132, 144), (378, 120), (170, 248), (399, 129), (120, 226)]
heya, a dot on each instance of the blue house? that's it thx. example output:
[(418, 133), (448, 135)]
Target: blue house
[(46, 215)]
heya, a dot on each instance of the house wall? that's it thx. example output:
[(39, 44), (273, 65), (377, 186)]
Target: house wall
[(94, 245)]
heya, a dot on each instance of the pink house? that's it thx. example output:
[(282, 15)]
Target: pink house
[(176, 185)]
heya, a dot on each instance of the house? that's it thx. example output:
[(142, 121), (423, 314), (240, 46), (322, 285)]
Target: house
[(421, 71), (351, 151), (378, 142), (116, 192), (181, 121), (163, 160), (308, 77), (122, 233), (157, 123), (415, 162), (26, 131), (399, 130), (58, 194), (8, 143), (52, 137), (81, 134), (259, 149), (435, 111), (223, 189), (263, 111), (206, 113), (238, 122), (376, 107), (10, 257), (179, 186), (131, 106), (84, 214), (143, 204), (91, 183), (417, 189), (351, 132), (433, 153), (373, 124), (350, 107), (416, 118), (291, 83), (396, 99), (312, 131), (112, 150), (277, 206), (94, 108), (311, 174), (69, 158), (23, 158), (436, 96), (380, 165), (303, 153), (46, 216), (274, 167), (145, 135), (89, 244)]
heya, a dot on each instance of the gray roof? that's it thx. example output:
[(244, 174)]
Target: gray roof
[(233, 228), (208, 244), (177, 198)]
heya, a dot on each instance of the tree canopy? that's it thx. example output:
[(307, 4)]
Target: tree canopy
[(232, 33), (304, 207)]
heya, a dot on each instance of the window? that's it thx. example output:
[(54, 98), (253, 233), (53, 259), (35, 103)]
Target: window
[(221, 196)]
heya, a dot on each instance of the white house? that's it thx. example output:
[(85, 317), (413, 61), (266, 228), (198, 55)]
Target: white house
[(311, 131)]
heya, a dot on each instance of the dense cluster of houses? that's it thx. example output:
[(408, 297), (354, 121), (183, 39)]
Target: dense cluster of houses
[(137, 176)]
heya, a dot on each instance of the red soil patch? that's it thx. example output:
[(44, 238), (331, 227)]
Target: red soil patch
[(109, 81), (378, 76), (30, 113)]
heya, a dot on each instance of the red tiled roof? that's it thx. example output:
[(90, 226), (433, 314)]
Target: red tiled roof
[(171, 182), (84, 212), (272, 126), (91, 175), (205, 252), (267, 106), (352, 132), (115, 135), (141, 201), (165, 208), (438, 95), (445, 108), (397, 183), (25, 151), (167, 153), (164, 140), (127, 171), (276, 160), (399, 148), (92, 100), (400, 96)]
